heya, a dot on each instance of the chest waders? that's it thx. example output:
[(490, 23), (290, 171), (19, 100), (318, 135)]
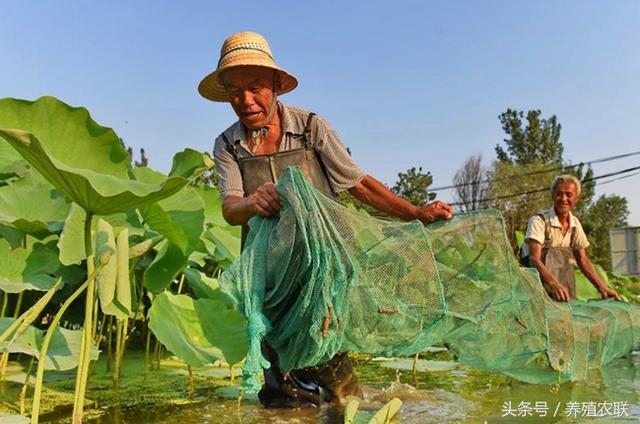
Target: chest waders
[(560, 260), (335, 377)]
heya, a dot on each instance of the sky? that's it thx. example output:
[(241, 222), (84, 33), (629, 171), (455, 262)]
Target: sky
[(405, 84)]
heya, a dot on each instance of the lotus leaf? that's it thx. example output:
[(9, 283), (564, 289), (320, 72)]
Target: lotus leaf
[(114, 288), (180, 219), (27, 269), (71, 243), (226, 241), (14, 236), (33, 206), (12, 164), (205, 287), (63, 350), (198, 331), (212, 205), (165, 267), (84, 160)]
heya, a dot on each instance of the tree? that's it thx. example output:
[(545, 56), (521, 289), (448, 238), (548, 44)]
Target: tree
[(606, 213), (519, 192), (143, 158), (538, 142), (471, 183), (413, 186)]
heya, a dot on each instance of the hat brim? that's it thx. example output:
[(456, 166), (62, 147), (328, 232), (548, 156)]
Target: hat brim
[(211, 88)]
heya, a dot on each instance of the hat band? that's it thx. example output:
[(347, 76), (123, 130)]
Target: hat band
[(242, 48)]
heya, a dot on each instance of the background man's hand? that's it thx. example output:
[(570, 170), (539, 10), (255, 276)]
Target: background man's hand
[(558, 292), (265, 201), (608, 293), (435, 210)]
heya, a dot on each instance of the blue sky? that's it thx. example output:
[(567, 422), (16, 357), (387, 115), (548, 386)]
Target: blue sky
[(411, 83)]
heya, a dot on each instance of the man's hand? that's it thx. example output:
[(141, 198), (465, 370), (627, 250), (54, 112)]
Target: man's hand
[(265, 201), (557, 291), (435, 210), (608, 293)]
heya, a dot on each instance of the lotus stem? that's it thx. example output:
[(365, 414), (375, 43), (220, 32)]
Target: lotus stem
[(146, 352), (23, 392), (121, 338), (109, 342), (45, 346), (414, 369), (191, 386), (231, 373), (5, 302), (181, 283), (21, 324), (84, 360), (16, 311)]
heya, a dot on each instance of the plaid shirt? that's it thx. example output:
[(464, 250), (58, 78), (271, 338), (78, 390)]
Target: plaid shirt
[(342, 171)]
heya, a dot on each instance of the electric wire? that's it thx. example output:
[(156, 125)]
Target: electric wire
[(539, 171), (585, 181)]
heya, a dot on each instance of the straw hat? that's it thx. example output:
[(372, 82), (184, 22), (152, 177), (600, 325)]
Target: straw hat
[(241, 49)]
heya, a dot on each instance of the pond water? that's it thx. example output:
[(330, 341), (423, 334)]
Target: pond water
[(440, 391)]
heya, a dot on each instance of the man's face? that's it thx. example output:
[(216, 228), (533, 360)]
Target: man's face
[(250, 89), (565, 197)]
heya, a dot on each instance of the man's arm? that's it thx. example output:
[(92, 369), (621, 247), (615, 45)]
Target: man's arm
[(549, 281), (266, 202), (372, 192), (587, 268), (237, 210)]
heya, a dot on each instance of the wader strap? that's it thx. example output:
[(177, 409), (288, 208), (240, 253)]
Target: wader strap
[(307, 132), (231, 148), (547, 231)]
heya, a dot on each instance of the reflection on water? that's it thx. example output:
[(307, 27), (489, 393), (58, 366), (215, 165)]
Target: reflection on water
[(437, 394)]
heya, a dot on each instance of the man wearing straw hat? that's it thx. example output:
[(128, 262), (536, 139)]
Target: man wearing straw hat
[(255, 151)]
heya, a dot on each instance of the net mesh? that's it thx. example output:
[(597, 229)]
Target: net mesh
[(323, 279)]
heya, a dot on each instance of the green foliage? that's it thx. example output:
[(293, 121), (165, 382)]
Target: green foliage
[(63, 350), (517, 210), (413, 186), (198, 331), (84, 160), (608, 212), (538, 142), (27, 269), (33, 206), (112, 280)]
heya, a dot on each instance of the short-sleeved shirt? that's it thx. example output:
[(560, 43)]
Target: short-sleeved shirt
[(342, 171), (536, 231)]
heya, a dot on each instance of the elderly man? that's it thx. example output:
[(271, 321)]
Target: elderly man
[(555, 241), (255, 151)]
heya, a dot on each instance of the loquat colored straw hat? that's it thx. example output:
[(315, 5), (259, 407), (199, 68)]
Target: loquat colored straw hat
[(242, 49)]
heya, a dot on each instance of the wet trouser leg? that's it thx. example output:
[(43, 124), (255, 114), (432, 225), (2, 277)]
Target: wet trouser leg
[(302, 387)]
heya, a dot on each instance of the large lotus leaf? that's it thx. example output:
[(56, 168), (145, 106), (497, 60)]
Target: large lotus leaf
[(27, 269), (84, 160), (33, 206), (63, 349), (112, 280), (180, 218), (205, 287), (198, 331), (212, 205), (14, 236), (12, 164), (71, 242), (226, 241), (165, 267)]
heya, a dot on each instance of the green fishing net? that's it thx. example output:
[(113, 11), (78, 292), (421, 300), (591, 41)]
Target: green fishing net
[(323, 279)]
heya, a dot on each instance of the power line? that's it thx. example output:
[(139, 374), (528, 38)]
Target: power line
[(539, 171), (524, 193)]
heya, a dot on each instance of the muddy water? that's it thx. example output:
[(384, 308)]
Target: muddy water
[(439, 392)]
